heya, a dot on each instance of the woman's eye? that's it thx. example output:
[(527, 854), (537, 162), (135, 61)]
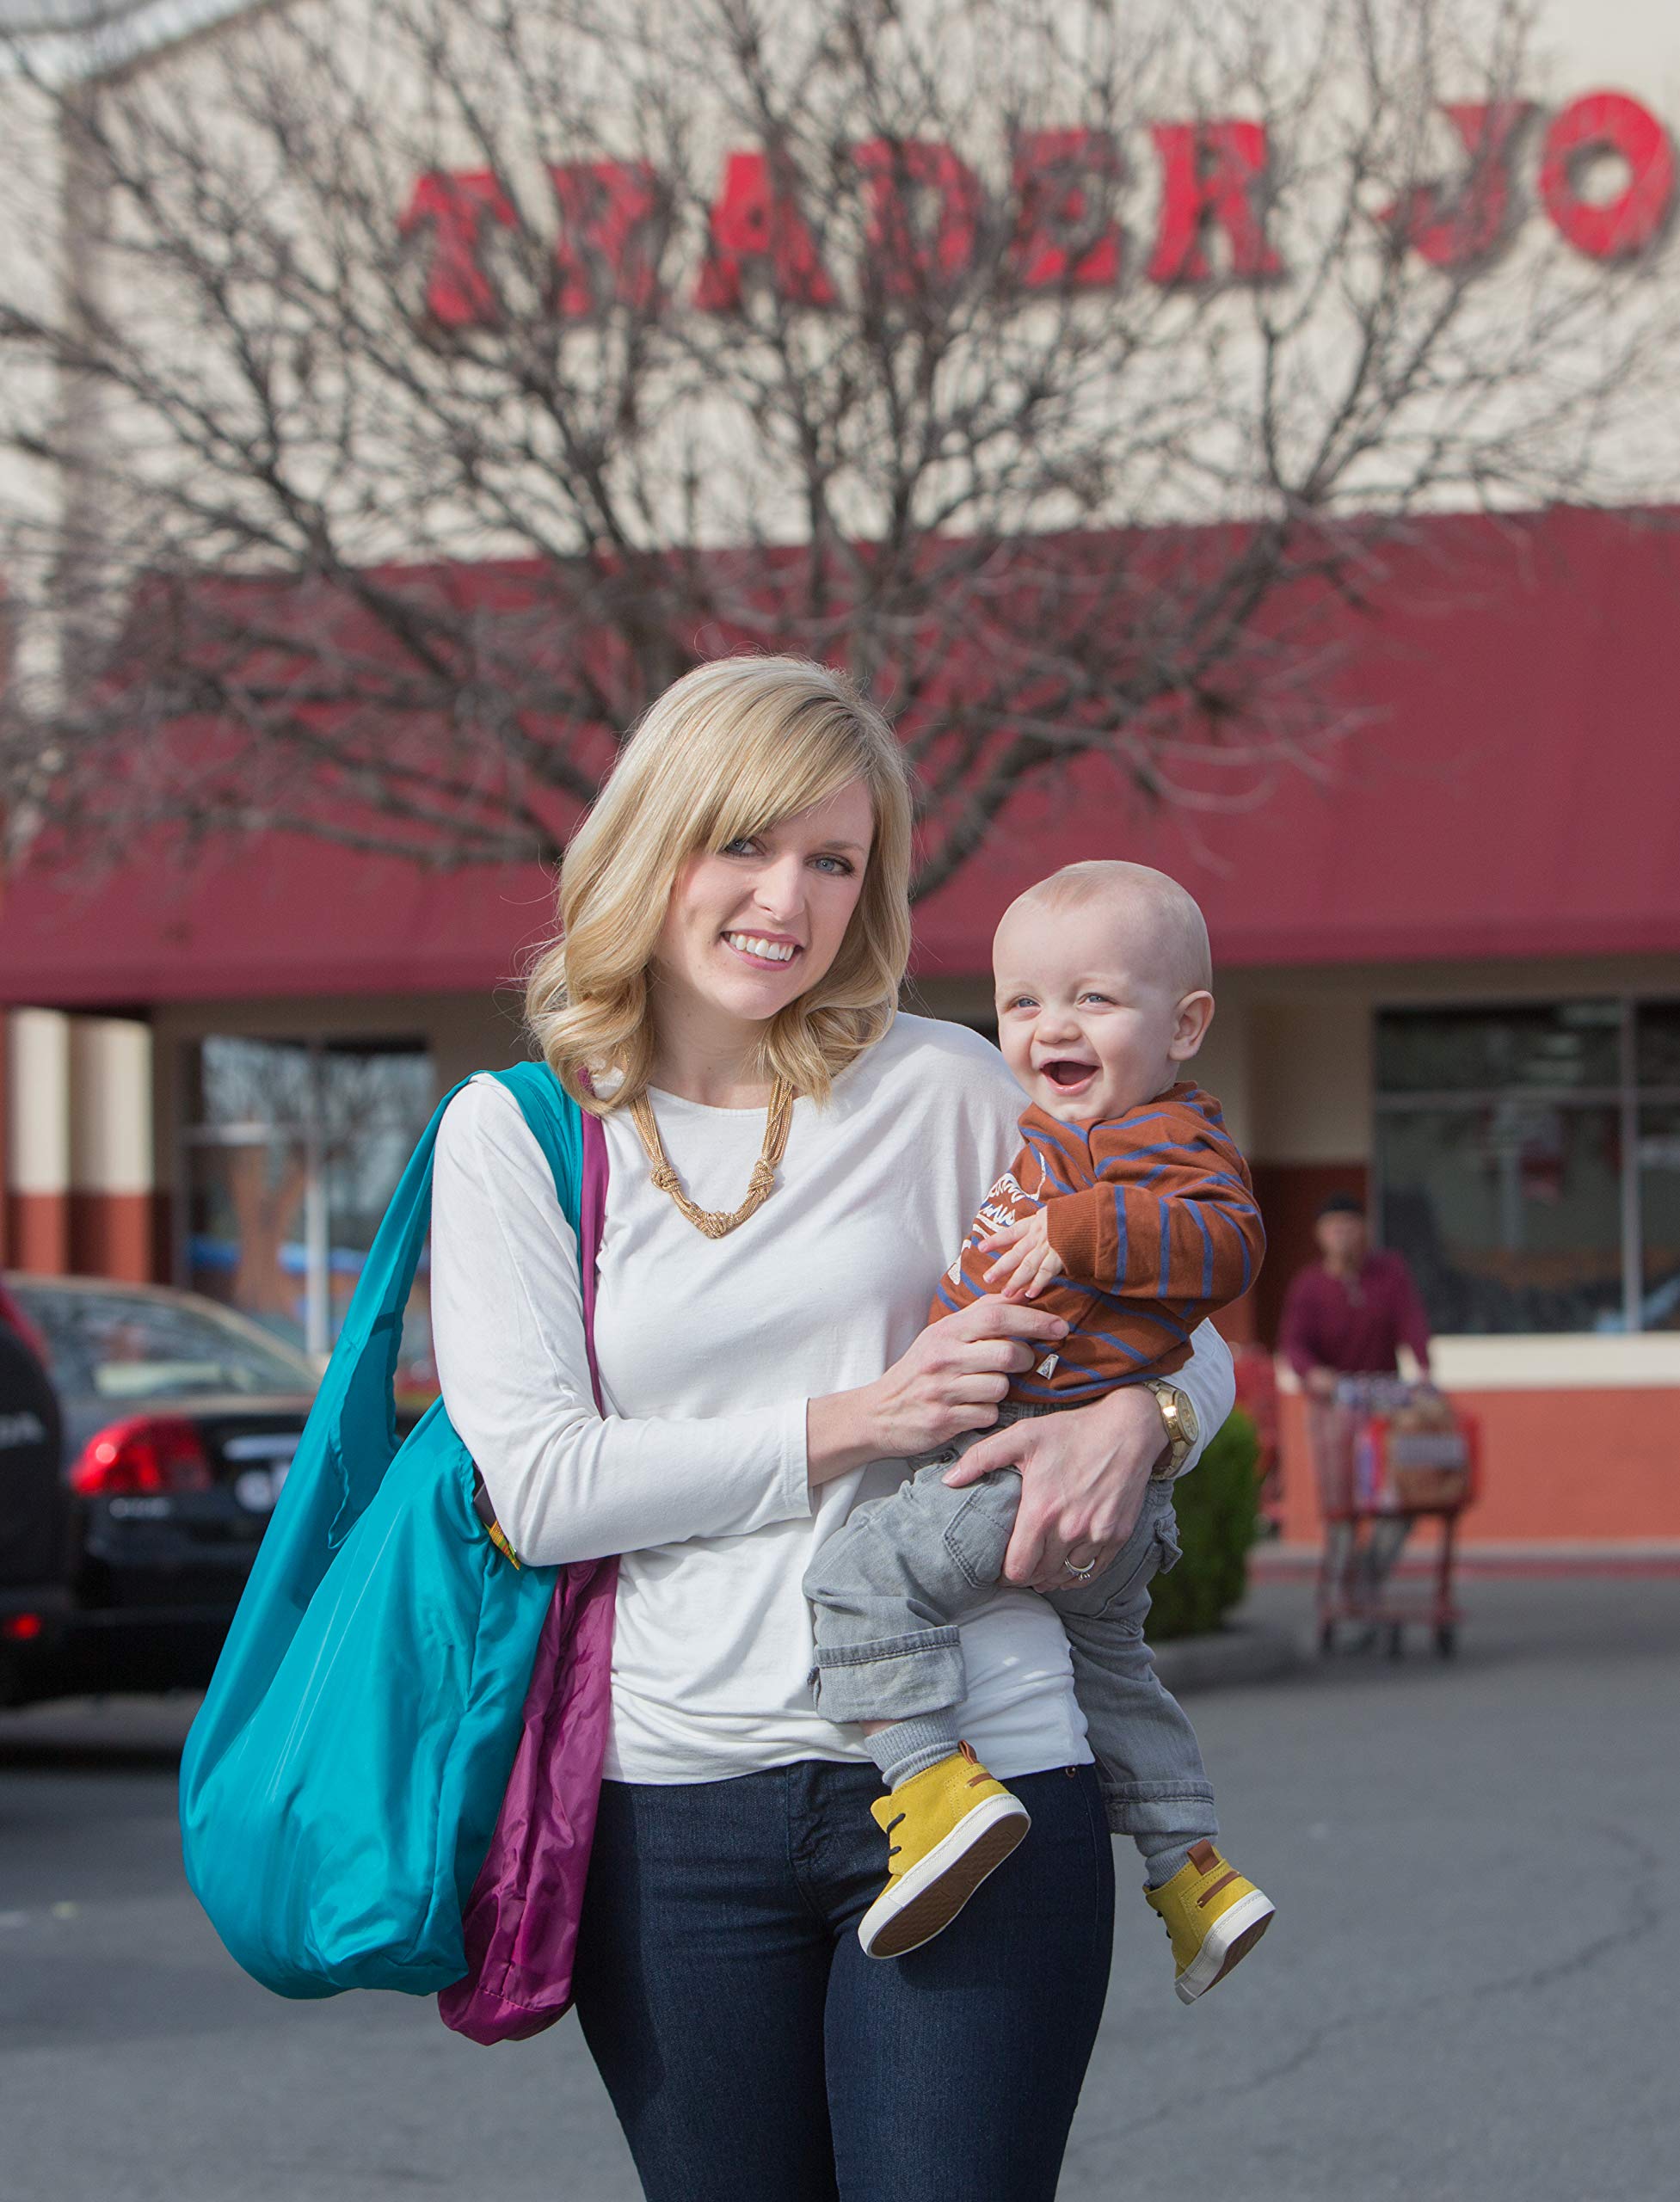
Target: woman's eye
[(837, 867), (742, 847)]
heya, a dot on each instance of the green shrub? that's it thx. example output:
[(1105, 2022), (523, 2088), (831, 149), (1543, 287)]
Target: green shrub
[(1216, 1506)]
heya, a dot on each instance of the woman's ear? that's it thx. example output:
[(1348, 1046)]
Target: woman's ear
[(1195, 1014)]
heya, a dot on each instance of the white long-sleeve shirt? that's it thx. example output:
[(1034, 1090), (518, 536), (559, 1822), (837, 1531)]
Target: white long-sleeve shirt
[(708, 1351)]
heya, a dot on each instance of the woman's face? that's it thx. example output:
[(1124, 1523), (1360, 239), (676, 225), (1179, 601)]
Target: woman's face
[(750, 929)]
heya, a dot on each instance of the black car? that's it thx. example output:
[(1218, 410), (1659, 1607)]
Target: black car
[(34, 1512), (180, 1419)]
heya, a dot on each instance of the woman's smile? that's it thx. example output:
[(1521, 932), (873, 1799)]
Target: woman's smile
[(765, 951)]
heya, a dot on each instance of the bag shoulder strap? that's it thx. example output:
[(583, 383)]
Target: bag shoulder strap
[(556, 1123), (356, 1406), (575, 1146)]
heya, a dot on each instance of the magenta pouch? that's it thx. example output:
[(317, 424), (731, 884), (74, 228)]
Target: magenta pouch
[(521, 1920)]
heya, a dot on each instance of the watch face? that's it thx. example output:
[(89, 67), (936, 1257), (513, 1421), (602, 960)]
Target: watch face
[(1187, 1418)]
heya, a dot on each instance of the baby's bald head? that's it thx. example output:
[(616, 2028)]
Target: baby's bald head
[(1164, 932)]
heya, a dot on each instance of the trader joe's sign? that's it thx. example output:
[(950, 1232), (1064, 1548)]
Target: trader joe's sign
[(1603, 175)]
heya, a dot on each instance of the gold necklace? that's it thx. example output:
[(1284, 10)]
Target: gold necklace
[(712, 1222)]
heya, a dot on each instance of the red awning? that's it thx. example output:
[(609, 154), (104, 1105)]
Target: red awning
[(1515, 792)]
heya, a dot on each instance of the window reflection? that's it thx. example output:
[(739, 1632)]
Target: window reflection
[(1508, 1214), (1548, 1197), (1560, 1046), (292, 1153), (1658, 1046)]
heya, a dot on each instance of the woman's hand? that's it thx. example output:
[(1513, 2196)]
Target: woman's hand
[(950, 1379), (1083, 1476)]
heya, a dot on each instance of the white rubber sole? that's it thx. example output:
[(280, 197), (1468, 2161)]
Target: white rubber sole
[(928, 1895), (1230, 1938)]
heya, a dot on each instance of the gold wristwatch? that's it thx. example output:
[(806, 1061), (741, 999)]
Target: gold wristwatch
[(1178, 1418)]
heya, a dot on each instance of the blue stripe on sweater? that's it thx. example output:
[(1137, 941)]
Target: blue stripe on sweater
[(1119, 1345), (1207, 1250)]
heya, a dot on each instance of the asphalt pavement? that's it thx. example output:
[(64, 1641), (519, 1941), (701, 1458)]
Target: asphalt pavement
[(1468, 1992)]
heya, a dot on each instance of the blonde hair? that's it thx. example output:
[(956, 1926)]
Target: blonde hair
[(1181, 930), (733, 747)]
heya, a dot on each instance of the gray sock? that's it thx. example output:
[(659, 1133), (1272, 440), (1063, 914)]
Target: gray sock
[(910, 1747), (1161, 1866)]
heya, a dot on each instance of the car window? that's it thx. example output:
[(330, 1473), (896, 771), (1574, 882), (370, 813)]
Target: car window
[(120, 1347)]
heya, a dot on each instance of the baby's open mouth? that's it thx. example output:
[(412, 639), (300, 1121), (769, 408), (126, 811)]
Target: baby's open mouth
[(1066, 1075)]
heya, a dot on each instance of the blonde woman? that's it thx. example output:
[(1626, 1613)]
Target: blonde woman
[(792, 1161)]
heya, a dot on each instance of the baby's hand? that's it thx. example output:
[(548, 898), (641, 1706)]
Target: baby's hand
[(1029, 1261)]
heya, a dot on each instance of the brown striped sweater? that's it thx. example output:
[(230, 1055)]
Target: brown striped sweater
[(1153, 1215)]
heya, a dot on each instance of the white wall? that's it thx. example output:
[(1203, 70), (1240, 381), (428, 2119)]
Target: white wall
[(38, 1080), (1635, 45), (110, 1116)]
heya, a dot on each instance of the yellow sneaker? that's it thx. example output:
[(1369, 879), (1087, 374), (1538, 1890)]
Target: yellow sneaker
[(1213, 1916), (953, 1823)]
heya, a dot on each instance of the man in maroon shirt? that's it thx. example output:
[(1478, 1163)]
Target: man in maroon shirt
[(1348, 1316)]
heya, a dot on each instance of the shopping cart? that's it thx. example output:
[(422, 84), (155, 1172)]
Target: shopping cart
[(1389, 1454)]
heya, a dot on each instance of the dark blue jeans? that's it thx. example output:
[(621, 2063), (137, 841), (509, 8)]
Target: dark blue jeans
[(754, 2054)]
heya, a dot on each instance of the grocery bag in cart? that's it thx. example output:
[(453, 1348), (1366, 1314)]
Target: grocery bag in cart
[(1413, 1453)]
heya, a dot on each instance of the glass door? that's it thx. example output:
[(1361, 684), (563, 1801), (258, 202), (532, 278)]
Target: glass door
[(291, 1150)]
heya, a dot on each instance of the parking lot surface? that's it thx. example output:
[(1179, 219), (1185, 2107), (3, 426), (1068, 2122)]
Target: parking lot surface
[(1468, 1995)]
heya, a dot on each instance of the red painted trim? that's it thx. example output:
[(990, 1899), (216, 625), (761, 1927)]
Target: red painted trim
[(1473, 818), (110, 1234), (38, 1231), (1568, 1467)]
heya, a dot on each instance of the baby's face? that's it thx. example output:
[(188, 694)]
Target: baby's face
[(1088, 1018)]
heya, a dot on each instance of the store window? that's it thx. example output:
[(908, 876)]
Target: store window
[(292, 1152), (1527, 1163)]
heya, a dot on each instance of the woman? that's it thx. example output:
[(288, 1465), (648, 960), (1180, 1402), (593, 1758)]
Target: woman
[(792, 1164)]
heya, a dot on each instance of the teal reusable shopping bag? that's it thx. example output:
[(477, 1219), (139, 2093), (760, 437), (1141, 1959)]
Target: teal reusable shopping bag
[(341, 1783)]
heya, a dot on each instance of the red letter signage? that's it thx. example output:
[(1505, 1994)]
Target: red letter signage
[(606, 250), (1608, 181), (753, 220), (1211, 172), (923, 208), (1601, 124), (1475, 218), (1053, 169), (459, 293)]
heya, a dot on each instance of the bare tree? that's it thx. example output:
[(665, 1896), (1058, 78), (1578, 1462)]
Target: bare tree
[(432, 381)]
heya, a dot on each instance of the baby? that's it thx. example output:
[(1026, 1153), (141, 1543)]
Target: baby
[(1129, 1212)]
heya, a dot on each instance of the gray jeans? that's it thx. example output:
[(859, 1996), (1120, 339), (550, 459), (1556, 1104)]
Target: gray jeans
[(889, 1588)]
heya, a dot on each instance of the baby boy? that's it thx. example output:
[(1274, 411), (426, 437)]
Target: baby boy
[(1128, 1212)]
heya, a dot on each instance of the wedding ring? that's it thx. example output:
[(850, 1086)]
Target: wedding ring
[(1081, 1574)]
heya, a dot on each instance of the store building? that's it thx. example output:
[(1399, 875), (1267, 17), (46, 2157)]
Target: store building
[(1449, 979)]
